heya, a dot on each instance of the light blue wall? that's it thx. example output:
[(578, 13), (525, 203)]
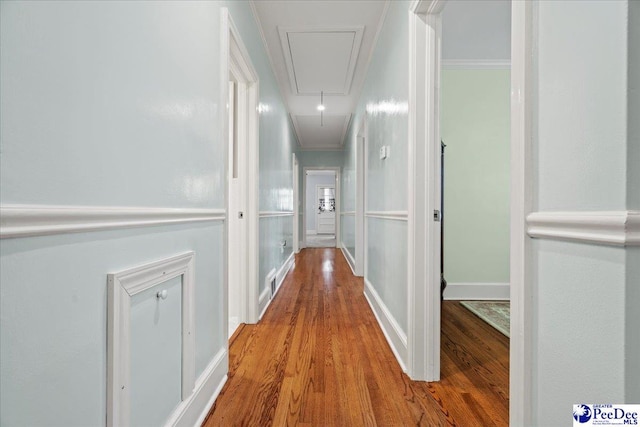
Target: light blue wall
[(584, 304), (115, 104), (384, 101), (109, 103), (632, 297)]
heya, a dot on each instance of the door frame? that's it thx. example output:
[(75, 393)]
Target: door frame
[(235, 57), (304, 201), (296, 203), (423, 336), (361, 138)]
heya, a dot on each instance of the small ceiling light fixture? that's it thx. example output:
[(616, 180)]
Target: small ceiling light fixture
[(321, 108)]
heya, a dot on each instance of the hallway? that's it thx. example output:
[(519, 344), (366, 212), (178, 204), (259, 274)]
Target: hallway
[(318, 357)]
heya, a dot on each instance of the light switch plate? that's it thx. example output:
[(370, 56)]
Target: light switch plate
[(383, 152)]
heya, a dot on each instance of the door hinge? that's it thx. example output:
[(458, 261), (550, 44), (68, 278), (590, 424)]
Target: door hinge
[(436, 215)]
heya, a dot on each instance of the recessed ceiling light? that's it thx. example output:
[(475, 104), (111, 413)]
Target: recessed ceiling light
[(320, 107)]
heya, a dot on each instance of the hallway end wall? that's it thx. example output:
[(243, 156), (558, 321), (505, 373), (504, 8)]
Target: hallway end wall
[(316, 159)]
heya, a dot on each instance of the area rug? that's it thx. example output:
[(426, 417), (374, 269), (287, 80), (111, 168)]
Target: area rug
[(495, 313), (321, 241)]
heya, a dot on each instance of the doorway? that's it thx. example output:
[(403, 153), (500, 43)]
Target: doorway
[(239, 82), (321, 213), (424, 190)]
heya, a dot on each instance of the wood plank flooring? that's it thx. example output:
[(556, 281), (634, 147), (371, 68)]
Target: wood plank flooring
[(319, 358)]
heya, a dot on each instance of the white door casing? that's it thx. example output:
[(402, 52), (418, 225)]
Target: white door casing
[(296, 204), (424, 194), (240, 120)]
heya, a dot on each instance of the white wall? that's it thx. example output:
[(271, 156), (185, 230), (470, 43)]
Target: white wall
[(582, 311), (114, 104), (311, 208)]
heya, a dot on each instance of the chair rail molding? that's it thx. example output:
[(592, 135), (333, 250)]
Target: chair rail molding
[(41, 220), (395, 215), (272, 214), (617, 228)]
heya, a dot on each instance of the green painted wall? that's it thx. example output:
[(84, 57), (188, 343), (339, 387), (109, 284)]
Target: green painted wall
[(475, 128)]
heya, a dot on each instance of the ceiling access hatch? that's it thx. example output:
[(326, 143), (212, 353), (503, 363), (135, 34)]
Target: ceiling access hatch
[(321, 59), (328, 135)]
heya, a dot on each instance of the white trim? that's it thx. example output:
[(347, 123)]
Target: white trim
[(194, 410), (273, 214), (521, 201), (122, 286), (476, 64), (423, 260), (235, 55), (264, 300), (42, 220), (295, 164), (619, 228), (311, 232), (393, 215), (360, 163), (350, 213), (348, 257), (266, 297), (392, 331), (477, 291)]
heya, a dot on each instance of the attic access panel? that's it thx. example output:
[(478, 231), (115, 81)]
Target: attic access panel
[(321, 59)]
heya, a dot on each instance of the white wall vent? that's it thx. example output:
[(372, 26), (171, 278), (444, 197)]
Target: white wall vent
[(270, 281)]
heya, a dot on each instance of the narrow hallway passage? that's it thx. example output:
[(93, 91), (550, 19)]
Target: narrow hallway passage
[(319, 358)]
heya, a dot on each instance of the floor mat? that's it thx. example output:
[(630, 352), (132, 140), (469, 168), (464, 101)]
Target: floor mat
[(495, 313), (321, 241)]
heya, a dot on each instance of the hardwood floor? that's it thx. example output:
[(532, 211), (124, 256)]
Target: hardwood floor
[(319, 358)]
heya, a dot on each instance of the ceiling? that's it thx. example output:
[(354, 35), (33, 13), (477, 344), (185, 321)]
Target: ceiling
[(320, 49)]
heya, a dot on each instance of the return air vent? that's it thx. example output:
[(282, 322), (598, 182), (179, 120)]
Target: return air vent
[(270, 281)]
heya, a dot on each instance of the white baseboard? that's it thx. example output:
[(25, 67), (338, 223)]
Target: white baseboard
[(194, 410), (396, 337), (266, 297), (476, 291), (347, 256), (311, 232), (263, 301)]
